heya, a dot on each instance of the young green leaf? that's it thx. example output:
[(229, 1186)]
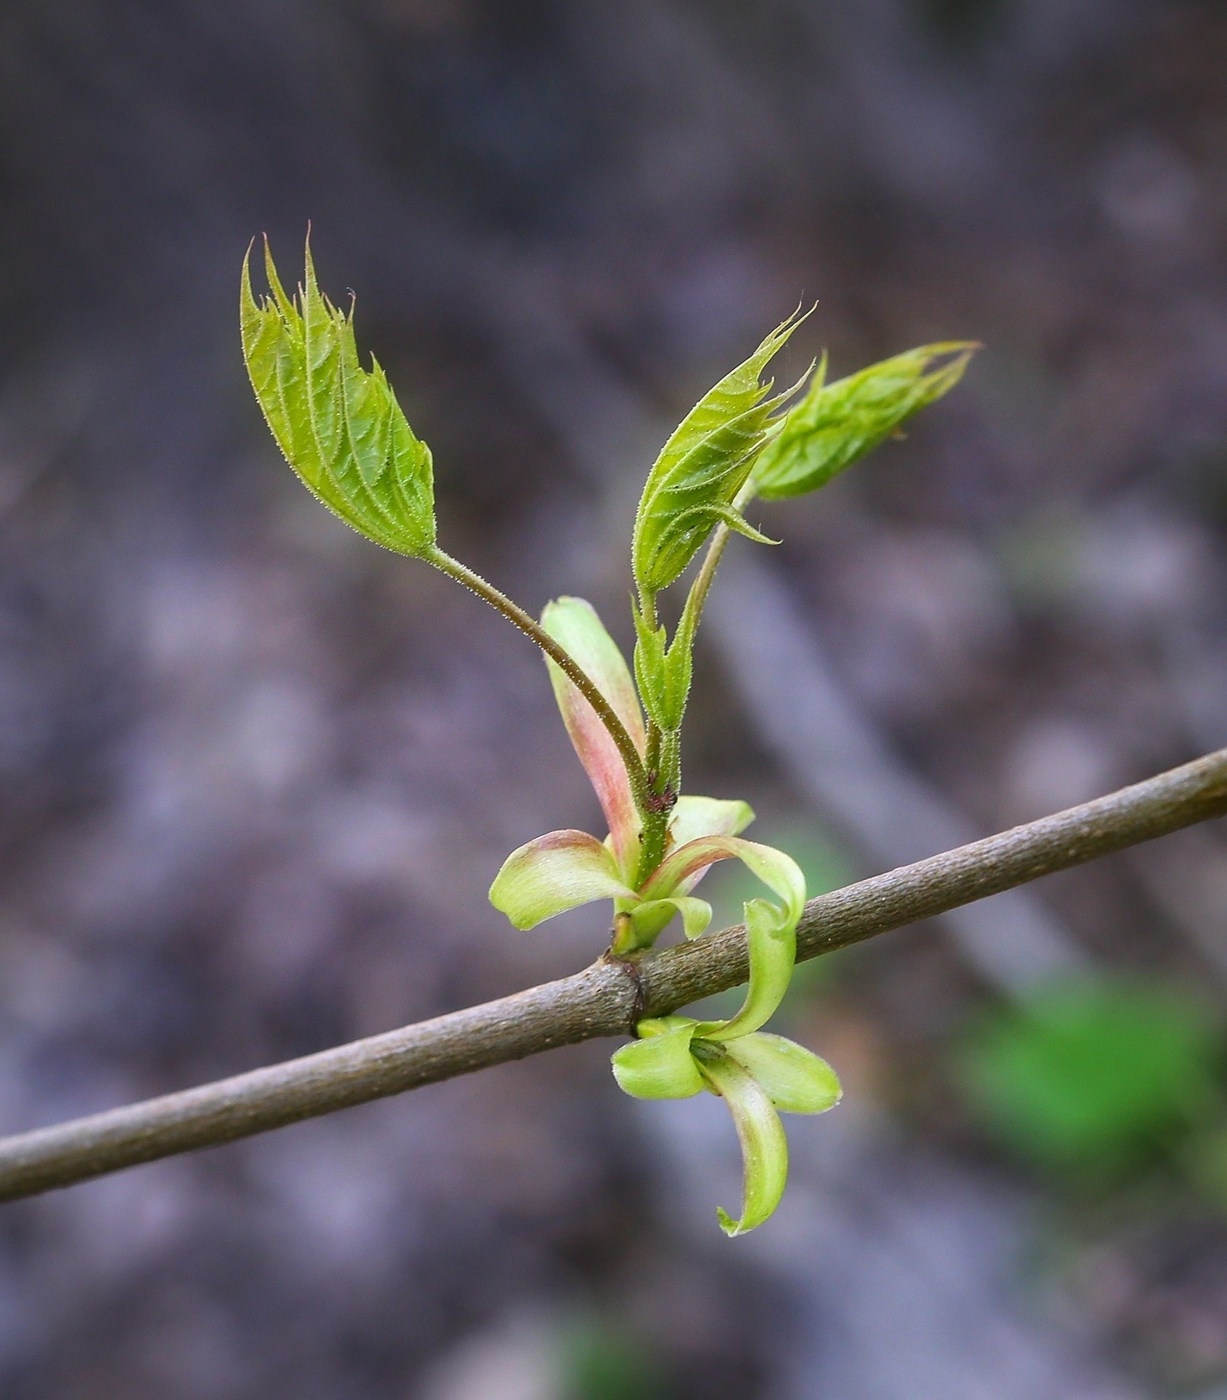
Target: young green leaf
[(706, 461), (338, 425), (764, 1148), (836, 424)]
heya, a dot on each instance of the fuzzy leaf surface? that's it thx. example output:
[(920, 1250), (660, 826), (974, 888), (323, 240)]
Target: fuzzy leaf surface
[(701, 468), (338, 425), (836, 424), (663, 669)]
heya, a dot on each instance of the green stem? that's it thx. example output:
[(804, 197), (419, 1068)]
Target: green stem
[(635, 769), (699, 589), (655, 813), (663, 750), (652, 842)]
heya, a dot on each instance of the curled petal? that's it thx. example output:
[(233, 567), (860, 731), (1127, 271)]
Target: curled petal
[(772, 944), (764, 1148), (792, 1077), (696, 913), (771, 930), (555, 872), (573, 623), (651, 918), (779, 872), (705, 816), (660, 1065)]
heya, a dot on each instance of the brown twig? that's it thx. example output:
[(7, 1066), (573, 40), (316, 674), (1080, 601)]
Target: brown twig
[(602, 999)]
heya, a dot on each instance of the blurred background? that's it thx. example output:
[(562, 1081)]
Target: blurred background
[(257, 774)]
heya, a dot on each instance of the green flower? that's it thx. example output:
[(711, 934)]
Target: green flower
[(755, 1073), (565, 869)]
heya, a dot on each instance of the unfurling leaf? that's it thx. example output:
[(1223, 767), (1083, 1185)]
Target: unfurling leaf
[(650, 919), (338, 425), (573, 623), (836, 424), (691, 488)]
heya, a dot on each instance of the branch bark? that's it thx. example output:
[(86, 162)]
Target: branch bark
[(605, 999)]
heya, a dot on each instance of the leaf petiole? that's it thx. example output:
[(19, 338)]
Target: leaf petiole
[(635, 770)]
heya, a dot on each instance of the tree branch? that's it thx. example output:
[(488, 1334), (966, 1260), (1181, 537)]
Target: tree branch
[(604, 999)]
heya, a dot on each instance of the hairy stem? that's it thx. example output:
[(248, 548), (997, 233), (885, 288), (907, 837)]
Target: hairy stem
[(608, 998), (701, 586), (664, 750), (656, 816), (635, 770)]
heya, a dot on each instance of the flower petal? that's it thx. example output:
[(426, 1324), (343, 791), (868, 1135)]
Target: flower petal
[(693, 817), (573, 623), (772, 945), (764, 1148), (555, 872), (660, 1065), (705, 816), (776, 870), (793, 1078), (651, 918), (771, 930)]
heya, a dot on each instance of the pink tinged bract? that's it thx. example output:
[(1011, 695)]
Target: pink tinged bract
[(573, 623), (556, 872)]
